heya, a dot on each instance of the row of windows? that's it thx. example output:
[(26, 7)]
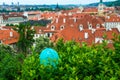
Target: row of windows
[(53, 27), (80, 27), (112, 25)]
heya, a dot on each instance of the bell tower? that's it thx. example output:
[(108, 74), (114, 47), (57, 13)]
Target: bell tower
[(101, 8), (101, 1)]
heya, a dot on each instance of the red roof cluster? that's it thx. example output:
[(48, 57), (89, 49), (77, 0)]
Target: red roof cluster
[(68, 21), (8, 36), (113, 18), (89, 10), (5, 17), (86, 35), (48, 15)]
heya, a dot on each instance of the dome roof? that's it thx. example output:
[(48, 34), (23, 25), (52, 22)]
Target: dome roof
[(49, 57)]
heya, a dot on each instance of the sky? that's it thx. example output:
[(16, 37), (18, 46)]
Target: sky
[(37, 2)]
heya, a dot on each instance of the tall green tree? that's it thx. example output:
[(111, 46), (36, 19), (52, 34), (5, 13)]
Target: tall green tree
[(26, 37), (41, 43)]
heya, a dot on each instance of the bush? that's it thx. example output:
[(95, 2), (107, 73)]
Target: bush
[(96, 62)]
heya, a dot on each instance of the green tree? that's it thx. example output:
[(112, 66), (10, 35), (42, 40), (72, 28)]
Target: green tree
[(4, 49), (26, 37), (10, 65), (41, 43), (116, 44)]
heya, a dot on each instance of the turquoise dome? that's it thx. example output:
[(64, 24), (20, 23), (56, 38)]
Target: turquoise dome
[(49, 57)]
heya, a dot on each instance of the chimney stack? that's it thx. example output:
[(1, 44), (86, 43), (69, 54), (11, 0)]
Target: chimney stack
[(86, 35), (64, 20), (11, 34)]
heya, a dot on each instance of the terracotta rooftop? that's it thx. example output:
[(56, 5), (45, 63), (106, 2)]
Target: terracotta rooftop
[(113, 18), (9, 36), (86, 35), (5, 17)]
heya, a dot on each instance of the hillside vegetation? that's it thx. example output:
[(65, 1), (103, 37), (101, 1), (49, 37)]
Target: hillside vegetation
[(96, 62)]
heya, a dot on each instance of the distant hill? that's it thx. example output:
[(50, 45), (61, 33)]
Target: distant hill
[(117, 3), (110, 3)]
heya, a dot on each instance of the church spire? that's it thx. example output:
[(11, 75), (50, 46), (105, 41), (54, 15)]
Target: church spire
[(101, 1), (57, 7)]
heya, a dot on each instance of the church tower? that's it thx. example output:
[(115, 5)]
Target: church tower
[(57, 7), (101, 1), (101, 7)]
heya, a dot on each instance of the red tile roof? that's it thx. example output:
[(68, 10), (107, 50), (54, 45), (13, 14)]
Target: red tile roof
[(72, 33), (33, 12), (5, 17), (48, 15), (9, 36), (39, 30), (113, 18), (90, 10), (68, 21)]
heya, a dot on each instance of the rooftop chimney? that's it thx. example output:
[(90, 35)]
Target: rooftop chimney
[(11, 34), (75, 19), (86, 35), (64, 20), (56, 20)]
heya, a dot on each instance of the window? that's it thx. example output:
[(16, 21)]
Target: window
[(48, 35), (85, 35), (52, 27), (98, 26), (0, 41), (80, 27), (61, 27), (40, 31), (90, 26), (36, 35)]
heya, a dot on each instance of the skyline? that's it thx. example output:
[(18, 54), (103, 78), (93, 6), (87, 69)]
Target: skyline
[(37, 2)]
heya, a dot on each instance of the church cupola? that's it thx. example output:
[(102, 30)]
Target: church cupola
[(101, 1), (101, 7), (57, 7)]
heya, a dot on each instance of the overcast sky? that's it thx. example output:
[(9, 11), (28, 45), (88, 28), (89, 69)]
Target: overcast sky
[(51, 1)]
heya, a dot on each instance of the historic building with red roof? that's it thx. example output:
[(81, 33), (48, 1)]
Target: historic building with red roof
[(8, 36), (94, 36), (112, 21), (15, 18), (33, 15)]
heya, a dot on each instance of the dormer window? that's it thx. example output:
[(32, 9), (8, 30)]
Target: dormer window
[(98, 26), (40, 31), (11, 34), (86, 35), (64, 20), (53, 27), (75, 20), (80, 27), (90, 26), (61, 27), (56, 20)]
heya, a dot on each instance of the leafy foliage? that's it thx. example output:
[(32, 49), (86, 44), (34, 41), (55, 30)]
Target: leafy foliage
[(96, 62), (4, 50), (42, 22), (26, 37), (42, 43), (10, 66)]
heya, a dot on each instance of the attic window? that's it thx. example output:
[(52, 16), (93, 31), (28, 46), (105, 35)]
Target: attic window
[(98, 26), (90, 26), (11, 34), (61, 27), (80, 27), (52, 27), (40, 31), (86, 35)]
